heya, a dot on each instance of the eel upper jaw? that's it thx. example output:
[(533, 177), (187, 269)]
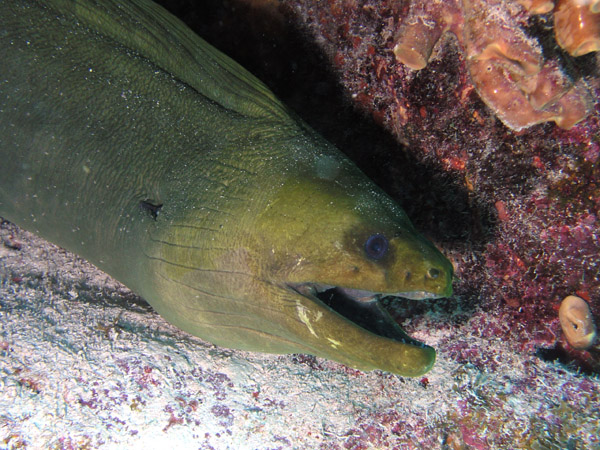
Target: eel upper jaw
[(362, 308)]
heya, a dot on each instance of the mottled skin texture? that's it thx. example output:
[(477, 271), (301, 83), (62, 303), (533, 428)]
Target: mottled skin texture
[(104, 107)]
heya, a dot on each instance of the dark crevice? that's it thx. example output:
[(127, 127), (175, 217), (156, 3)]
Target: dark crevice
[(301, 75), (558, 354)]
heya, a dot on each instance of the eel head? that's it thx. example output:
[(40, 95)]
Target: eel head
[(301, 267), (338, 247)]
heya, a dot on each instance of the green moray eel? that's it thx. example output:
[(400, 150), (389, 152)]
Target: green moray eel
[(130, 141)]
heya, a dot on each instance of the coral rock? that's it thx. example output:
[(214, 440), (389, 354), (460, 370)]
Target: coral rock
[(577, 26), (506, 66), (529, 230), (537, 6)]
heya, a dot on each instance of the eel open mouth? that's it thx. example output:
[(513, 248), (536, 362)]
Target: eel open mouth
[(363, 308)]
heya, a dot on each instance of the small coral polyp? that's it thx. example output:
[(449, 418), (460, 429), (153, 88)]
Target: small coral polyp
[(506, 66), (577, 322)]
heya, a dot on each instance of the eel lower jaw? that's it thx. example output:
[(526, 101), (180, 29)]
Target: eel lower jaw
[(362, 308)]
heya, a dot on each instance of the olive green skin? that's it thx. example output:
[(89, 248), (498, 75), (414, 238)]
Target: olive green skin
[(105, 106)]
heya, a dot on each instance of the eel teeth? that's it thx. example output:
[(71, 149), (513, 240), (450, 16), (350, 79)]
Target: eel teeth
[(358, 295), (363, 308)]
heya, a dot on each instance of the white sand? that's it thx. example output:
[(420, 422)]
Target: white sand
[(86, 364)]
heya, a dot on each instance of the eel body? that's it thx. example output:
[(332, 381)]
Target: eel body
[(130, 141)]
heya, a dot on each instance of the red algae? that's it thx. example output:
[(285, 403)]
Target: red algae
[(504, 63), (541, 183), (516, 211)]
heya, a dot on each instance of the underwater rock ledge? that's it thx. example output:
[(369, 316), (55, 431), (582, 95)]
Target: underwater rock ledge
[(477, 105)]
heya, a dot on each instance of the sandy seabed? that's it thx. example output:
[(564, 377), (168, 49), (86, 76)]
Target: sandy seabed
[(84, 363)]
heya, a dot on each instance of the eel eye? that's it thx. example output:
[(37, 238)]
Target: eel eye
[(433, 273), (376, 246)]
